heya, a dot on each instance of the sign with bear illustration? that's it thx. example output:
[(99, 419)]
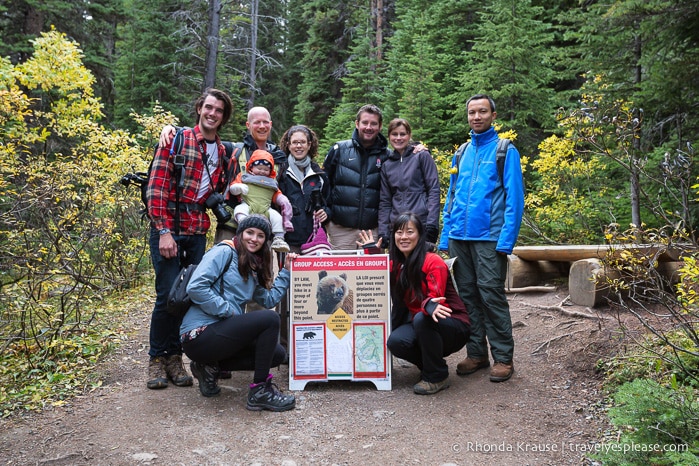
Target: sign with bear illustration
[(339, 309)]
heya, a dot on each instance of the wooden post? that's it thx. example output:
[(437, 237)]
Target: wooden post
[(587, 282)]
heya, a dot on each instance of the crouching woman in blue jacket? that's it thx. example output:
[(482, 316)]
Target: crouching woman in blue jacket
[(217, 334)]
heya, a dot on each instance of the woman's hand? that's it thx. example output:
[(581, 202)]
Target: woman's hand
[(366, 239), (320, 215), (290, 257), (440, 312)]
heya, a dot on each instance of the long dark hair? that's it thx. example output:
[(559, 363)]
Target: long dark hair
[(259, 262), (412, 276)]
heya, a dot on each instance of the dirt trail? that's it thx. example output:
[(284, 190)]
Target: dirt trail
[(545, 415)]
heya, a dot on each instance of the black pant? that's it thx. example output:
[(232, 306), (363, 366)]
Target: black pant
[(426, 343), (246, 342)]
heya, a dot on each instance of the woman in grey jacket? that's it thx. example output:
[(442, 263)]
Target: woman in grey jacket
[(217, 334), (409, 183)]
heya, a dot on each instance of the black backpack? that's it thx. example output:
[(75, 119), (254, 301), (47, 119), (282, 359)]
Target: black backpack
[(178, 300)]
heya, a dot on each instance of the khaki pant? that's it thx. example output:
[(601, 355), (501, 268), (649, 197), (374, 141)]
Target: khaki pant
[(343, 238)]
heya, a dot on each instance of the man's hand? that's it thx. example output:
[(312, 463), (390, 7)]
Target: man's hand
[(167, 246)]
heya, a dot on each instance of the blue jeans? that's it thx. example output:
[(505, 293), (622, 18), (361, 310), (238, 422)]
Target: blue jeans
[(164, 328), (480, 274)]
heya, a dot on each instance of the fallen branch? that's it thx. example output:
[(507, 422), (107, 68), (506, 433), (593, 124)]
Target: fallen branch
[(559, 308), (551, 340)]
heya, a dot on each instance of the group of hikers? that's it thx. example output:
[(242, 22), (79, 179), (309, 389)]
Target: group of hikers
[(364, 195)]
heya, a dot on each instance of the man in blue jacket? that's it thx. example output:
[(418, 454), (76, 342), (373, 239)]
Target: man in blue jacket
[(481, 224)]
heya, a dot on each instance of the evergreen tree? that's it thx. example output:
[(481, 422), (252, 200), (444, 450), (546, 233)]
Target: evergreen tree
[(151, 63), (325, 52), (277, 90), (443, 51), (412, 90), (510, 61)]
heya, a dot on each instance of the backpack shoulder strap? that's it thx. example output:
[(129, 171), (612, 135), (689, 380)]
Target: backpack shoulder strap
[(455, 166), (501, 153), (230, 162), (230, 243)]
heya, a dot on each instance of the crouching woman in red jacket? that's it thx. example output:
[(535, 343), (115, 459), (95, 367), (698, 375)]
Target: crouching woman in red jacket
[(428, 319)]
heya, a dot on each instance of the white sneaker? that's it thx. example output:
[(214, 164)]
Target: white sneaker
[(279, 245)]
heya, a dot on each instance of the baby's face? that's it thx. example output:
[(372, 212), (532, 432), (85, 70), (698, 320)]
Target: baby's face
[(261, 170)]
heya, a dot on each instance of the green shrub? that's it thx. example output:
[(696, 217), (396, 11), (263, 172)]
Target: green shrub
[(658, 425)]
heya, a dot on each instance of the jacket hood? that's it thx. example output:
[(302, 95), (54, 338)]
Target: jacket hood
[(261, 155)]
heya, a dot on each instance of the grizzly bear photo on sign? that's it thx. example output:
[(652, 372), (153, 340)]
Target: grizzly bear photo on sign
[(333, 293)]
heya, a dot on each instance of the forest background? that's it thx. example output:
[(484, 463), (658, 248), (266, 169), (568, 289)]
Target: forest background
[(600, 96)]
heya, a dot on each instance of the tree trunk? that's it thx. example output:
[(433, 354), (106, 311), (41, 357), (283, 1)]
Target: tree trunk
[(636, 146), (254, 8), (212, 40), (379, 30)]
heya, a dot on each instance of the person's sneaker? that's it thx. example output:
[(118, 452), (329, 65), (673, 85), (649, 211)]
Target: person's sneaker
[(157, 377), (471, 365), (279, 245), (207, 377), (423, 387), (266, 395), (501, 371), (176, 372)]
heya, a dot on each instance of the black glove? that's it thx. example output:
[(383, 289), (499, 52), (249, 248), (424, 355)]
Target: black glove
[(431, 233), (385, 239)]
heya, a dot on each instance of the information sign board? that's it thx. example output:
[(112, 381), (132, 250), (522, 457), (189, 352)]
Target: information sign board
[(339, 311)]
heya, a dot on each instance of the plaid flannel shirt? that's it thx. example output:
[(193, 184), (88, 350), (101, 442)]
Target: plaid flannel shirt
[(162, 185)]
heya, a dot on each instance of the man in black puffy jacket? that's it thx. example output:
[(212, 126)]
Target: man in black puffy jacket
[(353, 167)]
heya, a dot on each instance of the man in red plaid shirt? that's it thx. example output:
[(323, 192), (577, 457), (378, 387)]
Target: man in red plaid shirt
[(175, 244)]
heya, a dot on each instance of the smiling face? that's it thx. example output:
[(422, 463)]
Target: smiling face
[(406, 238), (260, 125), (210, 116), (399, 138), (368, 127), (298, 145), (480, 115), (253, 239), (260, 170)]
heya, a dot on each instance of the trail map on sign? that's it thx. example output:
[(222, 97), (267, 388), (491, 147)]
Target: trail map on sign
[(369, 354)]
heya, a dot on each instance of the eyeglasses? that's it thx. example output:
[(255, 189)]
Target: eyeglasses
[(298, 143)]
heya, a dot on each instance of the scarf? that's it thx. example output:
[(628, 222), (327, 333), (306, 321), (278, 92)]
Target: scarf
[(299, 167)]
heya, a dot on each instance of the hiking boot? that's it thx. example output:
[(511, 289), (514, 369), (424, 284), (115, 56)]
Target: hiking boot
[(176, 372), (279, 245), (157, 377), (207, 377), (423, 387), (471, 365), (266, 395), (501, 371)]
